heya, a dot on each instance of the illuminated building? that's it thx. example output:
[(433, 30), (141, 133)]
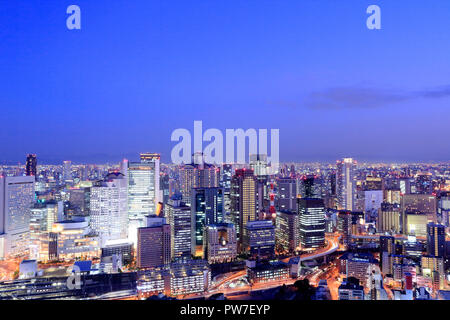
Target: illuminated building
[(143, 191), (227, 173), (258, 163), (433, 267), (389, 218), (220, 243), (387, 249), (392, 196), (346, 184), (243, 200), (268, 272), (67, 171), (182, 228), (424, 183), (350, 289), (80, 200), (259, 239), (373, 197), (207, 208), (311, 213), (16, 198), (153, 247), (287, 194), (436, 240), (122, 248), (309, 187), (356, 265), (31, 165), (109, 208), (416, 223), (420, 204), (75, 240), (287, 231), (198, 174)]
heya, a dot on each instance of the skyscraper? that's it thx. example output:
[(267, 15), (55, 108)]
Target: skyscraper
[(67, 170), (220, 243), (182, 228), (153, 247), (243, 200), (109, 208), (227, 172), (198, 174), (287, 194), (436, 240), (143, 191), (312, 222), (31, 165), (207, 208), (16, 198), (346, 184)]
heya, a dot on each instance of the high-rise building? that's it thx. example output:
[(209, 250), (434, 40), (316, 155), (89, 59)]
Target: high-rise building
[(389, 218), (259, 238), (227, 173), (418, 204), (309, 186), (109, 208), (258, 163), (387, 248), (436, 240), (182, 228), (67, 170), (143, 191), (198, 174), (153, 248), (424, 183), (311, 214), (346, 184), (344, 226), (16, 198), (31, 165), (207, 208), (243, 200), (287, 194), (220, 243), (287, 231)]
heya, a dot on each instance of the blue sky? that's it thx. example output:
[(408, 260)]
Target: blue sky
[(139, 69)]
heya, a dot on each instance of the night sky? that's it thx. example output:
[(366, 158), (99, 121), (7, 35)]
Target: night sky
[(139, 69)]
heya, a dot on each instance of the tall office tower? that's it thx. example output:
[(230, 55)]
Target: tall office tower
[(16, 198), (153, 246), (436, 240), (143, 191), (67, 170), (392, 196), (311, 214), (387, 248), (165, 188), (207, 208), (80, 201), (243, 200), (287, 231), (220, 243), (373, 197), (424, 183), (444, 208), (227, 173), (344, 226), (420, 204), (287, 194), (109, 208), (259, 239), (346, 184), (182, 228), (389, 218), (309, 186), (198, 174), (258, 163), (31, 165)]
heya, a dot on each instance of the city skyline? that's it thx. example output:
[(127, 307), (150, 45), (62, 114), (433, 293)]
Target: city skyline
[(128, 78)]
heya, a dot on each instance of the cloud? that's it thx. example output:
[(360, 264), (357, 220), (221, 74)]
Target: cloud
[(367, 98)]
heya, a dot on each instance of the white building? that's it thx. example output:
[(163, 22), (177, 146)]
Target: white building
[(16, 198), (346, 184), (109, 208)]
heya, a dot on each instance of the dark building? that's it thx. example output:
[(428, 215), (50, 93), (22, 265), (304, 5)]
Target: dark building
[(31, 165), (436, 240)]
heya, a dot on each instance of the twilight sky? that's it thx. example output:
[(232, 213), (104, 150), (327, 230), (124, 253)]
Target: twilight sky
[(139, 69)]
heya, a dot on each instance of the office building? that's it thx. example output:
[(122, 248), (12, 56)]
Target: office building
[(389, 218), (287, 194), (259, 238), (220, 245), (182, 228), (31, 165), (153, 248), (346, 184), (287, 232), (436, 240), (311, 215)]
